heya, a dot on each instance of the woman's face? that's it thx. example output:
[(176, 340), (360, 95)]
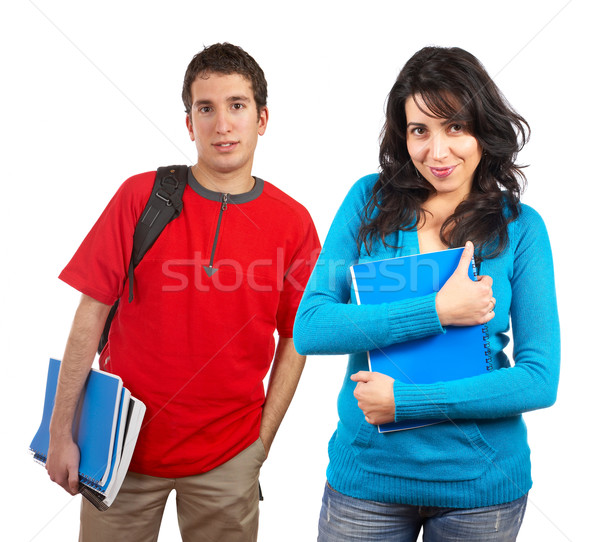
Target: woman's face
[(442, 150)]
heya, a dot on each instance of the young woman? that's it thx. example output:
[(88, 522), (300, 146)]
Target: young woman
[(448, 179)]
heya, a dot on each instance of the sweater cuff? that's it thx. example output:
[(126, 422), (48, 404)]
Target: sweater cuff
[(415, 401), (415, 318)]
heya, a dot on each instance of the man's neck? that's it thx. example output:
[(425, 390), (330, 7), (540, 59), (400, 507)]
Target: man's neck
[(238, 182)]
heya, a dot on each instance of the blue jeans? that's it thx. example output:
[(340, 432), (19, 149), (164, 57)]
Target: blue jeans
[(346, 519)]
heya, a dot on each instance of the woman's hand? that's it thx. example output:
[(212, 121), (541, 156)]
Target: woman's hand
[(462, 301), (375, 394)]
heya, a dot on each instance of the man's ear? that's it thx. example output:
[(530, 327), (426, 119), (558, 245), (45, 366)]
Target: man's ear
[(263, 119), (190, 127)]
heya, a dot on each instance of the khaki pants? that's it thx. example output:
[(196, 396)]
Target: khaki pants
[(218, 506)]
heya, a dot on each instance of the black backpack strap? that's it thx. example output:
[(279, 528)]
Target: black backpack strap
[(109, 319), (165, 204)]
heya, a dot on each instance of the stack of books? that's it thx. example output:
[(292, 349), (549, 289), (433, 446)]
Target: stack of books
[(106, 427)]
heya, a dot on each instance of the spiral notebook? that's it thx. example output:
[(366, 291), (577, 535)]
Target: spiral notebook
[(105, 428), (460, 352)]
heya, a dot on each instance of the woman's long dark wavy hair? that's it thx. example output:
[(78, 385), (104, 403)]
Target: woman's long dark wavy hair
[(453, 84)]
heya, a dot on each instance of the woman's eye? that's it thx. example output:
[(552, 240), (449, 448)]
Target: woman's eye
[(456, 128), (418, 130)]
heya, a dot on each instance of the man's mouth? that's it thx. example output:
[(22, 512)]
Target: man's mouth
[(225, 144)]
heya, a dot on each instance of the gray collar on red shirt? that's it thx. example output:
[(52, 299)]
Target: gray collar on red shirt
[(218, 196)]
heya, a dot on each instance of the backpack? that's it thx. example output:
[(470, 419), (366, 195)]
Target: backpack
[(165, 204)]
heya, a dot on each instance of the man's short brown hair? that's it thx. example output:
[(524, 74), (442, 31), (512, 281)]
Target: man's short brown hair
[(226, 59)]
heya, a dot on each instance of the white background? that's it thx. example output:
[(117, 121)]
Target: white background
[(91, 95)]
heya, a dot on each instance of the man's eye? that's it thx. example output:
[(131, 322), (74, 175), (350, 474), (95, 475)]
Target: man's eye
[(238, 106), (204, 109)]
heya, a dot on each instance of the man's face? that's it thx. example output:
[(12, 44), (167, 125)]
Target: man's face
[(225, 124)]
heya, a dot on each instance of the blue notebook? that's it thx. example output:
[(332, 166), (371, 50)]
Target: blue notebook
[(94, 427), (461, 352)]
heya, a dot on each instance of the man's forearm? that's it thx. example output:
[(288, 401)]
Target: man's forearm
[(77, 360), (285, 374)]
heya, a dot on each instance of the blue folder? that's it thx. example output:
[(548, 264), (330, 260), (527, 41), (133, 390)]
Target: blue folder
[(460, 352)]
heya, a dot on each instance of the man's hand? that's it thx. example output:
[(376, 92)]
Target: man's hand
[(375, 395), (462, 301), (62, 463)]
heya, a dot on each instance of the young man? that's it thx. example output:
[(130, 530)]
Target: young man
[(197, 340)]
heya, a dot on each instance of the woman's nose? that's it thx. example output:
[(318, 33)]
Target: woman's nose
[(439, 146)]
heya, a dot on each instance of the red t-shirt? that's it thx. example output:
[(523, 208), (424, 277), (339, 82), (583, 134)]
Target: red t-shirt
[(195, 348)]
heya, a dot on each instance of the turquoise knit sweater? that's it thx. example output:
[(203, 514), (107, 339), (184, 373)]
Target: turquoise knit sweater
[(480, 457)]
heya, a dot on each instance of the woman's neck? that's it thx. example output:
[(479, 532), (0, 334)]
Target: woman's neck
[(437, 210), (439, 207)]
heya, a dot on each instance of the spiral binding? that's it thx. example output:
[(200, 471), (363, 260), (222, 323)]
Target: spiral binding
[(486, 333), (486, 348), (39, 458), (90, 482)]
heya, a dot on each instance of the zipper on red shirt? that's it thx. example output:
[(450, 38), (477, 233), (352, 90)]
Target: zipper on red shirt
[(210, 270)]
